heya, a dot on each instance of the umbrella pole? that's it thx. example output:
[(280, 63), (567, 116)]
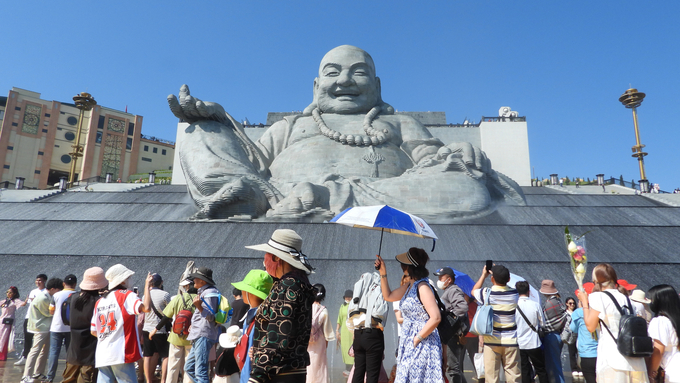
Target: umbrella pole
[(381, 236)]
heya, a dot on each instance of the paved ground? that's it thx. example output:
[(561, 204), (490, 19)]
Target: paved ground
[(12, 374)]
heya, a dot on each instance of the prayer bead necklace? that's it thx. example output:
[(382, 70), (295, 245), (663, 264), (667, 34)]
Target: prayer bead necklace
[(375, 137)]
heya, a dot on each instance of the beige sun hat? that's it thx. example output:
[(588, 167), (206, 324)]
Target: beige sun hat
[(118, 274), (287, 245), (230, 338), (94, 279), (639, 296)]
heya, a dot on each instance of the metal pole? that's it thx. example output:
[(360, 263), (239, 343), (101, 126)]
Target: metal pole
[(84, 101), (641, 161), (76, 150)]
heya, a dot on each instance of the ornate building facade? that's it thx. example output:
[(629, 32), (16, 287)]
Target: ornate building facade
[(37, 135)]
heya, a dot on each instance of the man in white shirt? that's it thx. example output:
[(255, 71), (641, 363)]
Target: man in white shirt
[(59, 332), (28, 337), (529, 314)]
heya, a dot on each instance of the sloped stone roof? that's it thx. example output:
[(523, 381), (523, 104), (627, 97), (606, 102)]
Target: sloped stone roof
[(147, 230)]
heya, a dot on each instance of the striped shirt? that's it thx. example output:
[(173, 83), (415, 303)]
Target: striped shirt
[(503, 300)]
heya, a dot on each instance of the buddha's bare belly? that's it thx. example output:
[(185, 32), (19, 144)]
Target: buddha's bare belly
[(314, 158)]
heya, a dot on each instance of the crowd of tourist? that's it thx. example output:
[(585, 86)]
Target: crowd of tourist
[(276, 329)]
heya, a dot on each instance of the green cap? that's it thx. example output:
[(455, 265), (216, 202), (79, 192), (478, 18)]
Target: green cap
[(257, 282)]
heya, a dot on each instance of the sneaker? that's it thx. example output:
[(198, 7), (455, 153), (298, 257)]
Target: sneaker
[(21, 361), (39, 377), (26, 379), (580, 374)]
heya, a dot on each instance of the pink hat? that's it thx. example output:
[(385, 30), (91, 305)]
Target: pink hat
[(94, 279)]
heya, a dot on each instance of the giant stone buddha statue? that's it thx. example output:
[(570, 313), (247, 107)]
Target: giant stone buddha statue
[(348, 148)]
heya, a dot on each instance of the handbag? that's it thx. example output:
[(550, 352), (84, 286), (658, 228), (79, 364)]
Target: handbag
[(241, 350), (482, 323), (168, 325), (9, 321), (568, 336), (540, 331)]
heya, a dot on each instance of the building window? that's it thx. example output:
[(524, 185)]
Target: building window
[(56, 146), (66, 158), (44, 130), (72, 121), (17, 108), (163, 152), (37, 172), (146, 148), (31, 119), (47, 115), (116, 125), (100, 124), (2, 114), (155, 150), (15, 124), (98, 139), (128, 144), (69, 136), (5, 166), (131, 129), (146, 159), (41, 153), (10, 148)]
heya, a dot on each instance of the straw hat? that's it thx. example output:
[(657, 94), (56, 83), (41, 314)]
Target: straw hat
[(548, 287), (287, 245), (256, 282), (231, 337), (639, 296), (94, 279), (118, 274)]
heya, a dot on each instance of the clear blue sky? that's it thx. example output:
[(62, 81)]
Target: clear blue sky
[(563, 65)]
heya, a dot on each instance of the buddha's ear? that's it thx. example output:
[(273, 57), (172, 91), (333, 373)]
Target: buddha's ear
[(312, 106), (385, 107)]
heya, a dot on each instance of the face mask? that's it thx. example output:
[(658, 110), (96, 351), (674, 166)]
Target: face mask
[(441, 285)]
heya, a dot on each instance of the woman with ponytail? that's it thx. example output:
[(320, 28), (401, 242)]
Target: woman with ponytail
[(322, 333), (663, 328), (599, 308)]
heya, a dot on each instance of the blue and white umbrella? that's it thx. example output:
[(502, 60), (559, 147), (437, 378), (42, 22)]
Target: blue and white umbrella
[(385, 219)]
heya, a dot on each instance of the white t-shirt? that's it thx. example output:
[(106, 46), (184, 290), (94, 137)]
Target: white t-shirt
[(59, 298), (607, 353), (114, 320), (661, 329), (30, 298)]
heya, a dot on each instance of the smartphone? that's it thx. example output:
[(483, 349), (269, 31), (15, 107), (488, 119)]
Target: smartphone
[(489, 264), (135, 289)]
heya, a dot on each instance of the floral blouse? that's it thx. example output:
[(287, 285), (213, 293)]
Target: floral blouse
[(283, 324)]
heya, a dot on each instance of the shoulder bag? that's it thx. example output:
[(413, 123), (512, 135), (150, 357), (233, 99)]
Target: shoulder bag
[(540, 331), (241, 350), (482, 323)]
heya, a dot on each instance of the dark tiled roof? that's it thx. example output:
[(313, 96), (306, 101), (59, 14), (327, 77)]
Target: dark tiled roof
[(147, 230)]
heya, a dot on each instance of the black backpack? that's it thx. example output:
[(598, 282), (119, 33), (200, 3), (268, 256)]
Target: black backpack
[(633, 341), (450, 324)]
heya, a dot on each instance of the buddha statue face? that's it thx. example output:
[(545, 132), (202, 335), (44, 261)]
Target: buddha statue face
[(347, 83)]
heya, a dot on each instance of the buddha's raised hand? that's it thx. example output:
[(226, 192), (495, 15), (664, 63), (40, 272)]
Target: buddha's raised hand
[(191, 109)]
